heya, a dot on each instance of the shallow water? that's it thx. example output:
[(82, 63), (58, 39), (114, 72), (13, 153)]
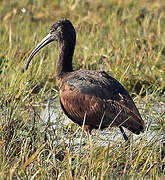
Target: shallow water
[(50, 113)]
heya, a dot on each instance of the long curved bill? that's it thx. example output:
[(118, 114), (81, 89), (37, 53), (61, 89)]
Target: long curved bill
[(46, 40)]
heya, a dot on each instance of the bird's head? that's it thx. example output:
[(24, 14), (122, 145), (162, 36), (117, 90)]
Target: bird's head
[(61, 30)]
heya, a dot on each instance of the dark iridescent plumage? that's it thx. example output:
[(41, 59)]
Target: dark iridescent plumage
[(92, 97)]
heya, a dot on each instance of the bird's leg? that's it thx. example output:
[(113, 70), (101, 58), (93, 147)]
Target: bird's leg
[(123, 133)]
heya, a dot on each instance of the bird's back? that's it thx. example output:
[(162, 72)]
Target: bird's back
[(100, 100)]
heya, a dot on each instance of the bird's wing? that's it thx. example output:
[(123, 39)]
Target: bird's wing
[(93, 96)]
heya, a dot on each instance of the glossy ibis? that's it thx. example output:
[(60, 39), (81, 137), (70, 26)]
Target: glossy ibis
[(92, 99)]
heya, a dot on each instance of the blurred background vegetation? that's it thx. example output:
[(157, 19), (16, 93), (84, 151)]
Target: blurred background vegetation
[(124, 38)]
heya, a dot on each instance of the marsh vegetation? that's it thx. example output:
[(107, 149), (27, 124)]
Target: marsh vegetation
[(125, 39)]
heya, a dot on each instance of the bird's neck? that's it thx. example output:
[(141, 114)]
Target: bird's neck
[(64, 63)]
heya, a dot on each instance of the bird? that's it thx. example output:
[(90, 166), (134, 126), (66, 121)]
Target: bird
[(90, 98)]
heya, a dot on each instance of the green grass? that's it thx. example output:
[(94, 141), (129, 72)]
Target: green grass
[(124, 38)]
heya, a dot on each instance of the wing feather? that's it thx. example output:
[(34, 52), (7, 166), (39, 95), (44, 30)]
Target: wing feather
[(101, 99)]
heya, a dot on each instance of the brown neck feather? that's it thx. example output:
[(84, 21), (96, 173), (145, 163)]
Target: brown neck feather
[(64, 63)]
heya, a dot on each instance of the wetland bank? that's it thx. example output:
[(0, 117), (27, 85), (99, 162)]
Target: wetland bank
[(127, 40)]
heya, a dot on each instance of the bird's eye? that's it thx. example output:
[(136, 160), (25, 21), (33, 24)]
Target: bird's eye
[(51, 31)]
